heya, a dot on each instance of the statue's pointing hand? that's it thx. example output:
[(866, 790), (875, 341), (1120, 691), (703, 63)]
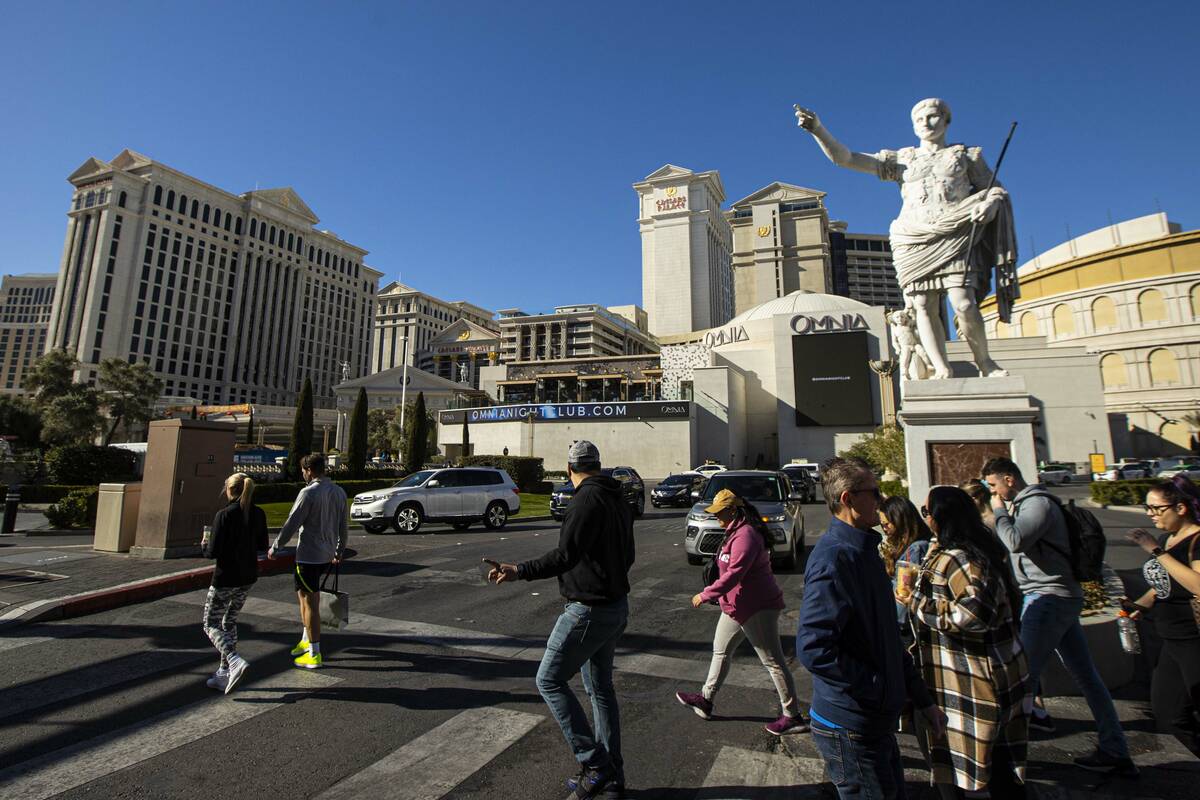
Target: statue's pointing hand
[(807, 119)]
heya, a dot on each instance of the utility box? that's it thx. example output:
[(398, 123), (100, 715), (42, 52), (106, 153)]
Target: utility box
[(117, 508), (187, 462)]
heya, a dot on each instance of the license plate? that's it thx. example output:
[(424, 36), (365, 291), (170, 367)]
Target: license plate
[(359, 514)]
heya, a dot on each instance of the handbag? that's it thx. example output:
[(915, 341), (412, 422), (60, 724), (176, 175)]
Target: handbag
[(712, 570), (335, 605)]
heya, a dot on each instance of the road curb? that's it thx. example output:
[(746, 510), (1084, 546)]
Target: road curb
[(106, 599), (1093, 504)]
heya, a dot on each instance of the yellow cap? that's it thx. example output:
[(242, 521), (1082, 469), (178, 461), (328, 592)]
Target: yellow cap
[(724, 499)]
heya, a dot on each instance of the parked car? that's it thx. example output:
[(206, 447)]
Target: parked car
[(1125, 470), (676, 490), (770, 492), (1187, 467), (460, 496), (1056, 473), (633, 489), (803, 481), (709, 469)]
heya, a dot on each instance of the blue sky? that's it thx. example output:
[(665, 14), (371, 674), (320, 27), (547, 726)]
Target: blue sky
[(486, 151)]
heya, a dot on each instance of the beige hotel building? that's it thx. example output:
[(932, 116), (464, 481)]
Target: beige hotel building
[(229, 298), (25, 305), (408, 320)]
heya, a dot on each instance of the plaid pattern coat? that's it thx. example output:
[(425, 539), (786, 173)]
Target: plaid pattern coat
[(969, 652)]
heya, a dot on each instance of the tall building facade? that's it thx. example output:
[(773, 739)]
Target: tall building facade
[(687, 283), (25, 305), (862, 267), (229, 298), (407, 321), (584, 331)]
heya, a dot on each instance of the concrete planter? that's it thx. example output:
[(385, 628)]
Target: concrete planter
[(1100, 630)]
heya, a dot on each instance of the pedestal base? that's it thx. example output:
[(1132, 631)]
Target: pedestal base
[(953, 426)]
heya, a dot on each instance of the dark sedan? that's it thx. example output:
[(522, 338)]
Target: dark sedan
[(633, 489), (676, 490)]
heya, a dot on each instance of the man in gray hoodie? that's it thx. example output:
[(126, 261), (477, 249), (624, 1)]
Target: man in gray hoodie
[(1035, 532), (319, 517)]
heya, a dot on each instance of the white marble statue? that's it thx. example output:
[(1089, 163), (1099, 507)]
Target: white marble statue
[(345, 371), (913, 360), (951, 232), (462, 373)]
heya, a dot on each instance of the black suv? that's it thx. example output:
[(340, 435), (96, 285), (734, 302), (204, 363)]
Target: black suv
[(802, 482), (677, 489), (632, 489)]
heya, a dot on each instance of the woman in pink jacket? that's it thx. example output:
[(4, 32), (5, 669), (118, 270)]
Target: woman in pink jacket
[(750, 601)]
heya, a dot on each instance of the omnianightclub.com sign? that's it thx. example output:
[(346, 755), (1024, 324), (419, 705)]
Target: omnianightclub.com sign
[(570, 412)]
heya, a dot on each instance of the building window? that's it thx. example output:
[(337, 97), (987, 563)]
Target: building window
[(171, 200), (1104, 313), (1064, 320), (1195, 297), (1029, 324), (158, 195), (1164, 367), (121, 199), (1151, 306), (1113, 372)]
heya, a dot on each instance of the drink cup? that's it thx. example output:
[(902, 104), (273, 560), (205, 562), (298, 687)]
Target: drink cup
[(206, 536), (906, 578)]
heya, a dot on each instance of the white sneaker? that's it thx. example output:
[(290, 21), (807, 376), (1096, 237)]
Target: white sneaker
[(218, 680), (237, 667)]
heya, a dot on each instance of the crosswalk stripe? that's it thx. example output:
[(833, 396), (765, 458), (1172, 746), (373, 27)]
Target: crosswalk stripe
[(763, 776), (97, 677), (748, 674), (13, 642), (421, 770), (82, 763)]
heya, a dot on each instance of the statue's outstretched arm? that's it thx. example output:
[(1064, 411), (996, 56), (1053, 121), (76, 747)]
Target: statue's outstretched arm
[(837, 152)]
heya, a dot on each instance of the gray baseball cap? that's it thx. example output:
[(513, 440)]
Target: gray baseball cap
[(583, 452)]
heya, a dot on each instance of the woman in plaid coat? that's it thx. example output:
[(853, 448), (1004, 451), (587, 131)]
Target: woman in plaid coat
[(965, 609)]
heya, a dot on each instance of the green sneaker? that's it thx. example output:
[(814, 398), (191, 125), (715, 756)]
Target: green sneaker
[(308, 661), (300, 648)]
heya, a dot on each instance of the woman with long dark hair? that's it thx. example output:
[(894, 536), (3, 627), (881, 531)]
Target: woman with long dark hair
[(751, 602), (906, 538), (965, 609), (1173, 573)]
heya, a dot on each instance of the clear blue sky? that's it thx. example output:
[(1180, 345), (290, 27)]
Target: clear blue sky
[(486, 150)]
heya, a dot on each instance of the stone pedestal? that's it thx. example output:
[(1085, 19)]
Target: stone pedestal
[(953, 426)]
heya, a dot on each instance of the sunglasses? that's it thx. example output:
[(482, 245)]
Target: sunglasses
[(924, 511), (877, 494), (1154, 510)]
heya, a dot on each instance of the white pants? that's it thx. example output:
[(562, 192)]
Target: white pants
[(762, 630)]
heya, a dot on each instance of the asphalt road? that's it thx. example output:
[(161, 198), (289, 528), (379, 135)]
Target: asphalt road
[(429, 694)]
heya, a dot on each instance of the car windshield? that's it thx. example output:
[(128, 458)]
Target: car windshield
[(678, 480), (755, 488), (416, 479)]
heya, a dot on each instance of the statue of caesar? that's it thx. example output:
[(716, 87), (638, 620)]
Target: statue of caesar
[(951, 232)]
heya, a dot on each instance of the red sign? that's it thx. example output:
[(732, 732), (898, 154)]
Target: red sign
[(672, 204)]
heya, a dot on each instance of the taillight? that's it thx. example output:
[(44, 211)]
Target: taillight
[(516, 490)]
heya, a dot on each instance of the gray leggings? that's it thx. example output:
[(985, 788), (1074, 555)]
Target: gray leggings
[(762, 630), (220, 618)]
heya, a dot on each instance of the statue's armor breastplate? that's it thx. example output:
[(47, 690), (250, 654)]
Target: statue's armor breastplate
[(932, 183)]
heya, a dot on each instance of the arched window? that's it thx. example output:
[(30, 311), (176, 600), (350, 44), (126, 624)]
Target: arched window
[(1113, 373), (237, 226), (171, 200), (78, 201), (253, 228), (1164, 368), (103, 197), (195, 209), (1104, 313), (1029, 324), (1176, 433), (228, 220), (121, 199), (1195, 296), (158, 195), (1064, 320), (182, 203), (205, 213), (311, 252), (300, 246), (90, 200), (291, 243), (1151, 306)]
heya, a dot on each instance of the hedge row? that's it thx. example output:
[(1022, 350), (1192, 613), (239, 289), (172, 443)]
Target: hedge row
[(1121, 493), (286, 492), (526, 471), (80, 465), (42, 492)]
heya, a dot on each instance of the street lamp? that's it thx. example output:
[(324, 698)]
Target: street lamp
[(403, 382)]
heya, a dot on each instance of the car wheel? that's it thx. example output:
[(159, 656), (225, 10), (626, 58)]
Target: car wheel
[(639, 507), (460, 526), (375, 528), (1066, 479), (695, 561), (408, 519), (496, 516)]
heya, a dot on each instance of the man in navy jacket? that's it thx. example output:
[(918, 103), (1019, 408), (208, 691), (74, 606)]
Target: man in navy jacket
[(849, 641)]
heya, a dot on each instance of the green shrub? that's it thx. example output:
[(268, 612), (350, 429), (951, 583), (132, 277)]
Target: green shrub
[(893, 489), (286, 492), (88, 465), (1120, 493), (526, 471), (76, 510)]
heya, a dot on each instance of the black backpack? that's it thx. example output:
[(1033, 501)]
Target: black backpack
[(1086, 537)]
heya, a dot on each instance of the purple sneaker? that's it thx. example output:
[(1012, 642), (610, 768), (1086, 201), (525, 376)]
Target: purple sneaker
[(696, 702), (785, 725)]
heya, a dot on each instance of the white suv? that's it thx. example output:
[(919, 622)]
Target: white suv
[(460, 496)]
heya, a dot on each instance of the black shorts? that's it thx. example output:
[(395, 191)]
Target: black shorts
[(308, 576)]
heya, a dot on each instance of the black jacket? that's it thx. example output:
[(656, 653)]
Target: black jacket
[(595, 546), (235, 545)]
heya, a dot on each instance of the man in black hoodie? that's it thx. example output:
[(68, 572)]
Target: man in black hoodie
[(591, 562)]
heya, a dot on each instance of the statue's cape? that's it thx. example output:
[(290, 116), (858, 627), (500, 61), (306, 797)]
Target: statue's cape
[(920, 250)]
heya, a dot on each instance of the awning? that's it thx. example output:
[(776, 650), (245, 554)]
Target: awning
[(513, 383), (560, 375), (602, 377)]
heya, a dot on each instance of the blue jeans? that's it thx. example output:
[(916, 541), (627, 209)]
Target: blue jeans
[(1050, 623), (866, 767), (585, 639)]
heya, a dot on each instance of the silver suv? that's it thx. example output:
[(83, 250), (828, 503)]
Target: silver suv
[(460, 496), (770, 492)]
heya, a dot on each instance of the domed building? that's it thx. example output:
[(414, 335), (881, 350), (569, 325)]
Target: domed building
[(1129, 293)]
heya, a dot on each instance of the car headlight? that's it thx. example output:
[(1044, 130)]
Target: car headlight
[(775, 518), (701, 517)]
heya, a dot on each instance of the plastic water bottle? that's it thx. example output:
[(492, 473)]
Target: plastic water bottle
[(1131, 640)]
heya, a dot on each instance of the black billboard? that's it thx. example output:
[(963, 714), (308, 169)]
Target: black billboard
[(571, 412), (833, 379)]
